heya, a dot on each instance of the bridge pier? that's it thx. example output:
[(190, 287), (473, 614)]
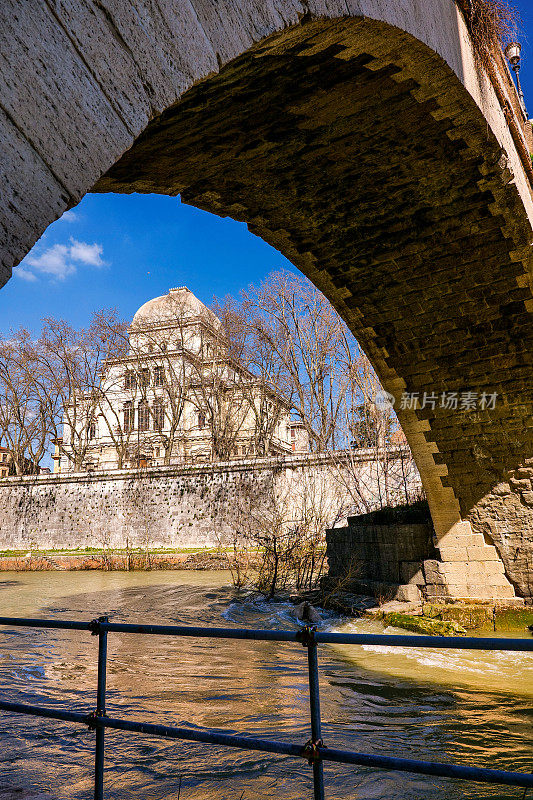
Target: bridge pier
[(405, 561), (467, 567)]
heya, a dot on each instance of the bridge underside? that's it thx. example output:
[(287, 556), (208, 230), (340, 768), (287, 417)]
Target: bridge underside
[(387, 173), (393, 196)]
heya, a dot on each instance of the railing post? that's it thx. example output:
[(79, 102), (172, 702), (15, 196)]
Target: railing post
[(100, 708), (309, 641)]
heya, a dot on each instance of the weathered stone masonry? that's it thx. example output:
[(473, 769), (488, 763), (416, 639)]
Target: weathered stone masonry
[(403, 562), (359, 138), (505, 517), (165, 507), (177, 506)]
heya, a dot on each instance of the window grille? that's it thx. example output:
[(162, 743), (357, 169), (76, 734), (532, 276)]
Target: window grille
[(128, 416), (130, 380), (159, 376), (145, 377), (144, 416), (159, 416)]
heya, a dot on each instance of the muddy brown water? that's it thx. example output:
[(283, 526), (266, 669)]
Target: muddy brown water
[(463, 706)]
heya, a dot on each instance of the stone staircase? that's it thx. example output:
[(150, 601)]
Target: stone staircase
[(55, 563), (406, 562), (466, 567)]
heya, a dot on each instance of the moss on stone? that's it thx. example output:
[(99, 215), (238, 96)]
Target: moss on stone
[(481, 616), (514, 619), (469, 616), (422, 624)]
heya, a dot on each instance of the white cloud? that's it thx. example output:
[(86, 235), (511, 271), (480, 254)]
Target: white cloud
[(61, 260), (54, 261), (86, 253), (25, 274), (69, 216)]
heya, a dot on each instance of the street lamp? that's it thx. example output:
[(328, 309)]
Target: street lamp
[(512, 53)]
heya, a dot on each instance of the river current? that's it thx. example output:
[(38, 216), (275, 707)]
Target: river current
[(467, 707)]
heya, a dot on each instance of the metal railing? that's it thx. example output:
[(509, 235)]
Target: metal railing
[(314, 750)]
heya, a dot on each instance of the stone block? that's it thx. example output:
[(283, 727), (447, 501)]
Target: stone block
[(436, 592), (462, 528), (453, 569), (520, 484), (486, 553), (451, 541), (453, 553), (388, 571), (492, 567), (408, 593), (411, 572), (527, 497), (459, 590), (491, 592), (480, 591), (433, 572), (502, 490)]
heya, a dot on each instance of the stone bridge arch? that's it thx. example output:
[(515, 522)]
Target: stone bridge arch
[(361, 140)]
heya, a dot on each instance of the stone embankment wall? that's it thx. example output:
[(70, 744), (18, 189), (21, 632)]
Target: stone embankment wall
[(179, 506), (157, 508), (109, 560)]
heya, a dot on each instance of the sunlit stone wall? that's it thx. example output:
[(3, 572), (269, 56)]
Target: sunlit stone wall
[(158, 508), (185, 506)]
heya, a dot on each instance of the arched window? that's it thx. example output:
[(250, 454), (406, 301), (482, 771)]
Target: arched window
[(201, 420), (91, 433), (158, 413), (144, 416), (129, 420)]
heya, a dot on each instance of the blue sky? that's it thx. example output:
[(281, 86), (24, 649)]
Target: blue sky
[(121, 250)]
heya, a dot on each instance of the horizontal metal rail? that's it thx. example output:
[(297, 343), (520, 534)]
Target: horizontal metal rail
[(67, 625), (391, 640), (443, 770), (314, 750)]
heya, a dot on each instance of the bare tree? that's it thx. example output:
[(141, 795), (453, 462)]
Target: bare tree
[(250, 346), (28, 406), (69, 363), (278, 544), (291, 338)]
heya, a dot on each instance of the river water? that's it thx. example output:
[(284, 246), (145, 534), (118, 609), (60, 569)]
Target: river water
[(472, 708)]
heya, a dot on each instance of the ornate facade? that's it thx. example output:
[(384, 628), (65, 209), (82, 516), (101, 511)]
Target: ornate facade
[(176, 396)]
